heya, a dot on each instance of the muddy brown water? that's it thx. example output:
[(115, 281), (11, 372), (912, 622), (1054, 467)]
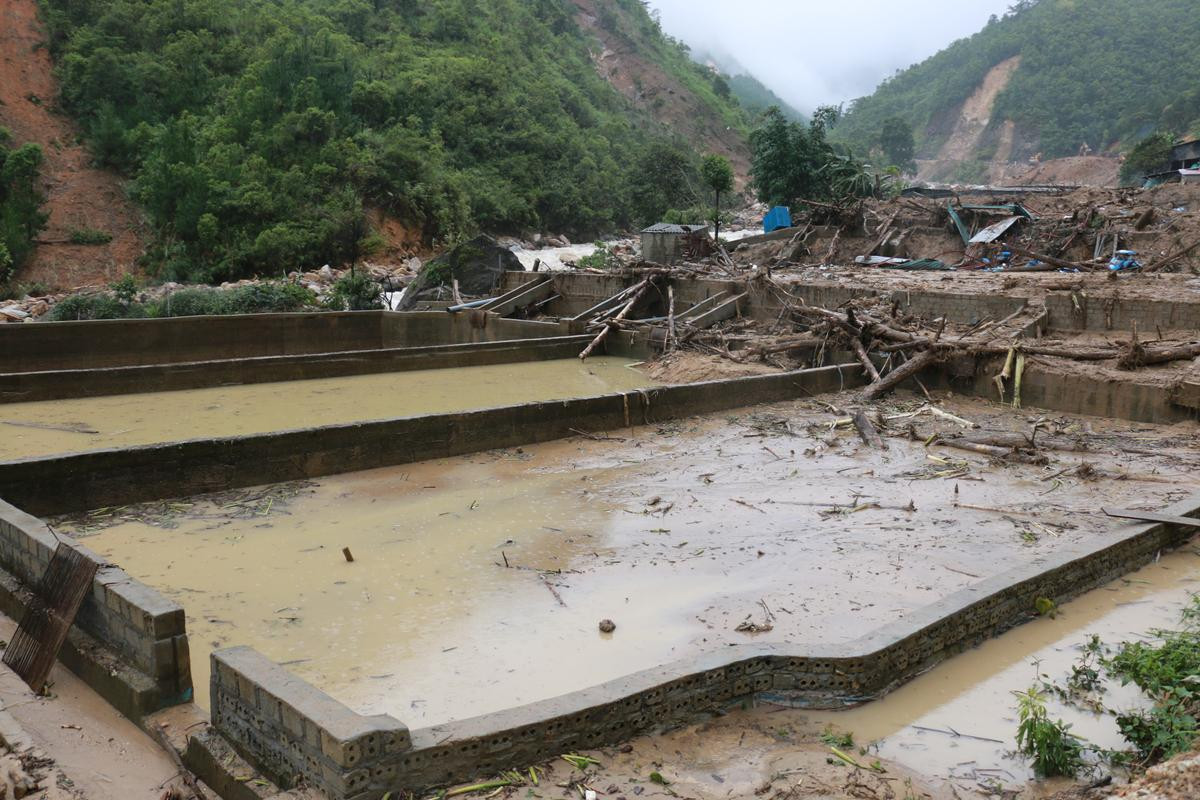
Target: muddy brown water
[(958, 723), (679, 534), (95, 423)]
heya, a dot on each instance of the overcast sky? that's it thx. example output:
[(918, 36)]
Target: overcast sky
[(813, 52)]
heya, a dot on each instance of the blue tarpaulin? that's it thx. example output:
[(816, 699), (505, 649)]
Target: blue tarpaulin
[(778, 217)]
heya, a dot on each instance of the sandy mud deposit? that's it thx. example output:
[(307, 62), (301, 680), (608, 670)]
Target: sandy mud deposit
[(477, 582)]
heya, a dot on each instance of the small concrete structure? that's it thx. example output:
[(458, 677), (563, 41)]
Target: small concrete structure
[(1185, 155), (663, 243)]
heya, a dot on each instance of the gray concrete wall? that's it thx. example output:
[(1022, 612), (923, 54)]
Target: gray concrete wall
[(1074, 393), (112, 343), (20, 387), (423, 328), (122, 476), (1109, 311), (133, 342), (364, 767), (136, 622)]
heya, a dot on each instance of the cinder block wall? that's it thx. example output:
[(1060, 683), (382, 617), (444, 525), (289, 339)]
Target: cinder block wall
[(144, 628), (1108, 311), (290, 729)]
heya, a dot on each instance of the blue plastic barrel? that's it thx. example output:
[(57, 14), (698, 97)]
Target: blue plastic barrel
[(778, 217)]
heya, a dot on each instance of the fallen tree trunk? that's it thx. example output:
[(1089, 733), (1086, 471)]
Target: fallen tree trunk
[(600, 337), (867, 363), (1171, 259), (909, 369), (1145, 357), (786, 344)]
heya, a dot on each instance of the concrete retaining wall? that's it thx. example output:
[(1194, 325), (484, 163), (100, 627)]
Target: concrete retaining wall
[(1080, 311), (112, 343), (424, 328), (136, 622), (19, 387), (1073, 393), (580, 291), (81, 481), (133, 342), (371, 759), (290, 730)]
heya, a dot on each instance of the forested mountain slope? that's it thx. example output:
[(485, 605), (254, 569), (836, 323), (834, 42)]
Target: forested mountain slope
[(1101, 73), (81, 201), (257, 134)]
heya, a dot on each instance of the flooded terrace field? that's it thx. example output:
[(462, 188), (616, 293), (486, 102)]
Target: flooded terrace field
[(478, 582), (68, 426)]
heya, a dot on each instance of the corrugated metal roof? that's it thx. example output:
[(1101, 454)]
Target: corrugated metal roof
[(678, 230)]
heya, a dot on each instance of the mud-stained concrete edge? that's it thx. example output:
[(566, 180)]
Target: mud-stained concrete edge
[(24, 387), (121, 476), (128, 641), (289, 728)]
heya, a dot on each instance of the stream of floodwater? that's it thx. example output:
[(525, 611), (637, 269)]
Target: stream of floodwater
[(557, 259), (958, 721)]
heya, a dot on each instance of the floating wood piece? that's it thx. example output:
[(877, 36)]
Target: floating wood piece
[(1171, 259), (524, 295), (867, 363), (51, 611), (885, 233), (670, 315), (1150, 516), (347, 555), (783, 345), (833, 247)]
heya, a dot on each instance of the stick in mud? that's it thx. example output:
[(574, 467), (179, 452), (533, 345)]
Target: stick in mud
[(867, 431)]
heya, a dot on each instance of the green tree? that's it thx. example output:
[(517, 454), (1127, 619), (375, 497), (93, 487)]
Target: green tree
[(259, 136), (1066, 89), (1152, 154), (896, 139), (21, 200), (790, 161), (717, 174)]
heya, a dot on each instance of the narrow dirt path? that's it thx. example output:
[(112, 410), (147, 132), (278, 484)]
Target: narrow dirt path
[(79, 195), (105, 755)]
